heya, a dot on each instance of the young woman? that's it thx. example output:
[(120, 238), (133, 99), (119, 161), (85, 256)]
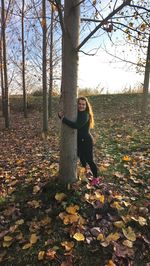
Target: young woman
[(83, 124)]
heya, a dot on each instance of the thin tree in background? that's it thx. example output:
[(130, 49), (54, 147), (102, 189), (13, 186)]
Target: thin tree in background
[(2, 78), (6, 95), (44, 74), (23, 62), (51, 63), (146, 81)]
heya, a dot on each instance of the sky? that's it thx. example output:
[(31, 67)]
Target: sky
[(98, 72), (103, 70)]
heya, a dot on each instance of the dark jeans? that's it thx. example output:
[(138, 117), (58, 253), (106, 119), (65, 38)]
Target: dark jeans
[(85, 153)]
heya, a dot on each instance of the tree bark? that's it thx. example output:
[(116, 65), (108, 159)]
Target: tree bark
[(68, 146), (23, 64), (6, 98), (2, 78), (146, 81), (44, 74), (51, 65)]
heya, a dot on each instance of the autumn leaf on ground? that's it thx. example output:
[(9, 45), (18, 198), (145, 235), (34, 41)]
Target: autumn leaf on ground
[(79, 237), (119, 224), (41, 255), (68, 245), (27, 246), (60, 196), (110, 263), (8, 240), (34, 204), (128, 243), (33, 238), (69, 218), (129, 233), (72, 209)]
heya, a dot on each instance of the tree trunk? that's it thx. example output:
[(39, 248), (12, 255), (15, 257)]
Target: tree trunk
[(51, 65), (2, 78), (68, 146), (146, 81), (6, 98), (45, 95), (23, 65)]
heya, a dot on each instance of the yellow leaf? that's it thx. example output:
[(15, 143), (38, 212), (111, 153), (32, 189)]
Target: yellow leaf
[(60, 196), (127, 158), (68, 245), (8, 238), (26, 246), (79, 237), (13, 228), (117, 205), (101, 237), (112, 237), (10, 190), (110, 263), (34, 203), (19, 222), (126, 218), (33, 238), (142, 221), (72, 209), (119, 224), (103, 168), (71, 218), (100, 197), (41, 255), (7, 244), (128, 243), (36, 189), (129, 233)]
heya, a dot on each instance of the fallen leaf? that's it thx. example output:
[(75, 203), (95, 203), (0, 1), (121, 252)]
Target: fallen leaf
[(79, 237), (101, 237), (19, 222), (128, 243), (127, 158), (26, 246), (60, 196), (72, 209), (8, 238), (119, 224), (129, 233), (68, 245), (41, 255), (33, 238)]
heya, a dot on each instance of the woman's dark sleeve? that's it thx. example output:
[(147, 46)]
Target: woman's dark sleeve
[(82, 119)]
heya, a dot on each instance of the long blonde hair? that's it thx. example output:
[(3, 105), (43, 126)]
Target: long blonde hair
[(89, 110)]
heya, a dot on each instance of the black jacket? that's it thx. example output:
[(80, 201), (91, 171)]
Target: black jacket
[(82, 124)]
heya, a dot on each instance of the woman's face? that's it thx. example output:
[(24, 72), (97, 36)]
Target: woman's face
[(81, 105)]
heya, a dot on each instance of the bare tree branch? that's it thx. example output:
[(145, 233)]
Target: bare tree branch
[(140, 7), (125, 3), (82, 1), (58, 5)]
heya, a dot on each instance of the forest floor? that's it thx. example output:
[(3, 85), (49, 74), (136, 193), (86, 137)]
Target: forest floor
[(104, 222)]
